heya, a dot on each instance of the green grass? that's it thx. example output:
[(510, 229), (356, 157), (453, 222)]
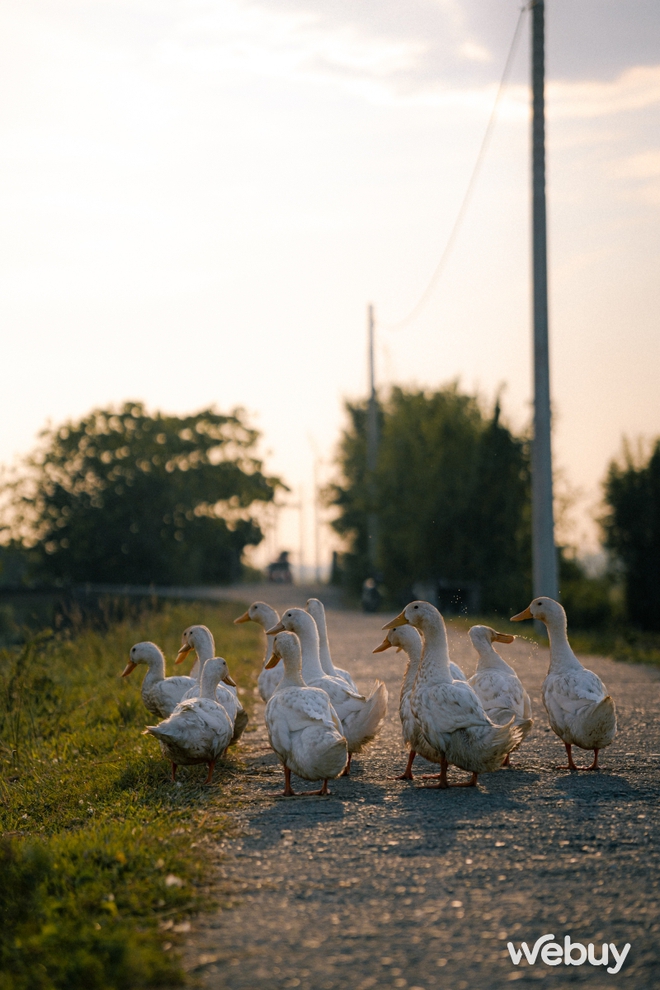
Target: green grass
[(102, 856)]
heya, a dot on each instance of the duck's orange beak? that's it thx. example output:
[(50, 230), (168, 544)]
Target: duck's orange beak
[(521, 615), (399, 621), (242, 618), (229, 680), (273, 662), (503, 638), (183, 653), (385, 645), (128, 668), (278, 628)]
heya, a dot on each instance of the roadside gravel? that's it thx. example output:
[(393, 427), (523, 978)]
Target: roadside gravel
[(385, 884)]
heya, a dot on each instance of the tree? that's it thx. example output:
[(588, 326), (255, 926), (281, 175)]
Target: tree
[(632, 531), (124, 496), (451, 494)]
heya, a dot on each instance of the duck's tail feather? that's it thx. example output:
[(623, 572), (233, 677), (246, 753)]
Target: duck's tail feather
[(361, 727)]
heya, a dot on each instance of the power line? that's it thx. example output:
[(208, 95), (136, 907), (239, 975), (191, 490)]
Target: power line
[(471, 184)]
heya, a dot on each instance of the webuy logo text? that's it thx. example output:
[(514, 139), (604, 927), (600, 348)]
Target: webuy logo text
[(572, 953)]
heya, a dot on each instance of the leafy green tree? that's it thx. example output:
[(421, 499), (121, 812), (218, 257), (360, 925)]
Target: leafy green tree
[(632, 532), (451, 493), (124, 496)]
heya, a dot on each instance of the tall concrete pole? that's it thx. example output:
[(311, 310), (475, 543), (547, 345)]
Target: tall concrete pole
[(544, 554), (372, 449)]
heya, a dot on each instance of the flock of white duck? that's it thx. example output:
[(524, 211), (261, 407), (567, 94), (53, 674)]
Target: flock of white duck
[(317, 718)]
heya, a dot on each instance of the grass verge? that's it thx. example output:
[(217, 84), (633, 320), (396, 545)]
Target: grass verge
[(102, 857)]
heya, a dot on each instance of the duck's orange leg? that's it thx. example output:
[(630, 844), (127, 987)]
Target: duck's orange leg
[(407, 773)]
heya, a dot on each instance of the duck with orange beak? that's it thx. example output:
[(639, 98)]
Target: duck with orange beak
[(496, 684), (405, 638), (303, 727), (452, 718), (160, 694), (579, 708), (200, 639), (264, 616), (198, 730)]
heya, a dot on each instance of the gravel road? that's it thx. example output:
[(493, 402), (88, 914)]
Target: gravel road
[(385, 884)]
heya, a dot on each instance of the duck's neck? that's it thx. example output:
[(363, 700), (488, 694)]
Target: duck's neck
[(292, 676), (324, 645), (562, 658), (209, 685), (205, 649), (309, 644), (155, 669), (272, 620), (435, 655), (414, 654), (489, 659)]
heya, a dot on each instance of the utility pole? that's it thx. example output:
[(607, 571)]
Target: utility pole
[(372, 450), (544, 553)]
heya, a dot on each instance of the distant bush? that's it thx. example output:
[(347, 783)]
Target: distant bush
[(590, 602), (451, 492), (632, 532), (122, 496)]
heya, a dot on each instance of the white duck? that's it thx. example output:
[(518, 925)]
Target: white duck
[(497, 685), (303, 727), (160, 694), (361, 717), (316, 609), (200, 639), (266, 617), (579, 708), (198, 730), (407, 638), (452, 717)]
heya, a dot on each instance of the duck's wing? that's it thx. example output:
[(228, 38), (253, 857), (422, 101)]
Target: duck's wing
[(345, 676), (289, 712), (497, 690), (306, 706), (456, 672), (171, 690), (457, 705), (573, 691)]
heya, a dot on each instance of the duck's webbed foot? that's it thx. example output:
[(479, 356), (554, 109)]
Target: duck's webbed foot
[(324, 790)]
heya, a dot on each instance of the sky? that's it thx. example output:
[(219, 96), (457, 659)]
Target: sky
[(199, 199)]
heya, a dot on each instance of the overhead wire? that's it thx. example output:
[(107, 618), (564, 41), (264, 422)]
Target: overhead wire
[(460, 216)]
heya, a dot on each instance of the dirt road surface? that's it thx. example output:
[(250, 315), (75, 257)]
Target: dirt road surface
[(386, 884)]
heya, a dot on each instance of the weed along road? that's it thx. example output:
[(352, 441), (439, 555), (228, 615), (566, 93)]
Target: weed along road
[(384, 884)]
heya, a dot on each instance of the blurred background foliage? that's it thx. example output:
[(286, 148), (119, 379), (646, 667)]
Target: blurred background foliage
[(632, 531), (452, 495), (123, 496)]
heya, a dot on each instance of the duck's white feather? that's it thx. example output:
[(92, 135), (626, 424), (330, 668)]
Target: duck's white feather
[(361, 717), (316, 609)]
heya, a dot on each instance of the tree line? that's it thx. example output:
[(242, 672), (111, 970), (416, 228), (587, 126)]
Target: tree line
[(452, 496), (123, 495)]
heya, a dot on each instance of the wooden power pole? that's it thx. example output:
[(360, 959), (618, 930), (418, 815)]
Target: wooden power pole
[(544, 553), (372, 450)]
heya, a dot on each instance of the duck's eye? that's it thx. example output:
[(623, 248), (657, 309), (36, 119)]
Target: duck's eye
[(415, 606), (539, 603)]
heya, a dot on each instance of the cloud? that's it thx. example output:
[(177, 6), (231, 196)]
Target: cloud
[(634, 89)]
